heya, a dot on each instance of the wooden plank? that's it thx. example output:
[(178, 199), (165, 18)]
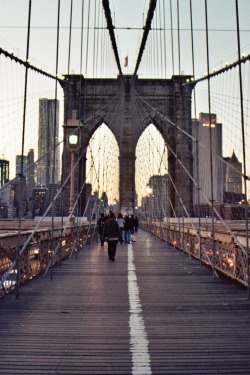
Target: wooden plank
[(78, 323)]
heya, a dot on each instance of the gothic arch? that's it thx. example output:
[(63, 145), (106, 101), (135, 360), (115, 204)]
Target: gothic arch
[(97, 100)]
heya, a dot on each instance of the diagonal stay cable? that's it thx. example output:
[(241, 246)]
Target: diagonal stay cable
[(166, 119), (201, 192)]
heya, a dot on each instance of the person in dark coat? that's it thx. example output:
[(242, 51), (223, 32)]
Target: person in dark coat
[(136, 224), (100, 227), (112, 233), (128, 228)]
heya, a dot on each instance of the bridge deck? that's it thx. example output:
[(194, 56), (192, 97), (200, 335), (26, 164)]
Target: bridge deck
[(91, 318)]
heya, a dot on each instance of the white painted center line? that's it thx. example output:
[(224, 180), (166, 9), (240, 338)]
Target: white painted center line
[(138, 336)]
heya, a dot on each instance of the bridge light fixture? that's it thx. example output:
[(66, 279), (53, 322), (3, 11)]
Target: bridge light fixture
[(149, 190), (73, 139)]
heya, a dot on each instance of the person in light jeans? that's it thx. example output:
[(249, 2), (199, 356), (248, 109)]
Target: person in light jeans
[(120, 221)]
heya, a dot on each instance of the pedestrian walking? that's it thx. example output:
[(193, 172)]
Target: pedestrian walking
[(128, 227), (100, 227), (112, 234), (120, 221), (136, 223)]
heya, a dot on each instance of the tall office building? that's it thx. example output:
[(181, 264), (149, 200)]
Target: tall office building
[(201, 159), (47, 137), (4, 172), (159, 194), (30, 173), (19, 164), (5, 193), (234, 175), (40, 201)]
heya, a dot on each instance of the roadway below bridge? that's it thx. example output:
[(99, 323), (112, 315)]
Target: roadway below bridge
[(155, 310)]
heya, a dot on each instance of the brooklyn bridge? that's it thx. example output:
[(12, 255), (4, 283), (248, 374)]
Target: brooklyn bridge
[(140, 110)]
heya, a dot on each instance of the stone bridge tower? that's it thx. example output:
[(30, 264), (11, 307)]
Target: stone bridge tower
[(165, 103)]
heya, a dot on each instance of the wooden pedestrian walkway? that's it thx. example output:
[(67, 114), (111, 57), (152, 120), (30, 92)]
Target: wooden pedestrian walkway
[(152, 311)]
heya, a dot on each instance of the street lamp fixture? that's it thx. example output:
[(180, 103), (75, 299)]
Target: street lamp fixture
[(73, 140), (73, 146), (149, 190)]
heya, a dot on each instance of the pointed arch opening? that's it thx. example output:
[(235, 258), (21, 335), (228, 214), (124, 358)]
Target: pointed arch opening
[(151, 168), (102, 165)]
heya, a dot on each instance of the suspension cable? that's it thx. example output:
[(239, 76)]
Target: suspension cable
[(243, 145), (110, 26), (22, 153), (147, 28)]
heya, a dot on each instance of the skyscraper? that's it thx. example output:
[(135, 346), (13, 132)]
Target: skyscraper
[(30, 173), (201, 159), (158, 198), (47, 138), (234, 175), (19, 162), (4, 172), (5, 193)]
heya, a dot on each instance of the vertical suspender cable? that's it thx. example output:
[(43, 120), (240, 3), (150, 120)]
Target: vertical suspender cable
[(69, 54), (179, 47), (161, 41), (70, 31), (174, 97), (197, 141), (179, 59), (22, 155), (78, 152), (243, 144), (80, 166), (147, 28), (81, 53), (83, 164), (98, 32), (172, 37), (164, 27), (94, 45), (54, 148), (210, 139), (87, 50)]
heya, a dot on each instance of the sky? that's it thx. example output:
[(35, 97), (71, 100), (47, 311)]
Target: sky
[(96, 58), (126, 14)]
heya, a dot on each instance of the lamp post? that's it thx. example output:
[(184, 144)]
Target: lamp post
[(73, 141)]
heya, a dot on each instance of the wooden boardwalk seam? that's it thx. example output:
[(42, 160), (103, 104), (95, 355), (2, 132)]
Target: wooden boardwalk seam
[(78, 323)]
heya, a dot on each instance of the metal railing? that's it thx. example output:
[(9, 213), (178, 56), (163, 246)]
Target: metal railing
[(227, 258), (39, 256)]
